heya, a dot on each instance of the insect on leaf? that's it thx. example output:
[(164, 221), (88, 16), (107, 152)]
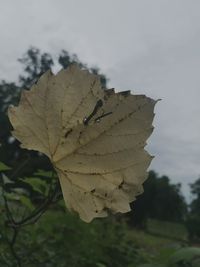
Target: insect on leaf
[(94, 138)]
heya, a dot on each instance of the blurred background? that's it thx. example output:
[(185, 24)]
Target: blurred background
[(148, 47)]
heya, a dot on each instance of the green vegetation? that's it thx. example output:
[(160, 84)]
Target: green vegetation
[(60, 238), (171, 230), (33, 236)]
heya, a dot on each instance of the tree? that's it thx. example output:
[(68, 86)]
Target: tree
[(65, 59), (195, 190), (160, 200), (35, 64), (193, 219)]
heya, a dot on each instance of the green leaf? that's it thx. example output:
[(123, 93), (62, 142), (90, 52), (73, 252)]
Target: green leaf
[(12, 196), (37, 184), (26, 202), (4, 167), (6, 180), (44, 173)]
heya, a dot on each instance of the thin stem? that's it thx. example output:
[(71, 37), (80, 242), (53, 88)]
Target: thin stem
[(12, 243), (37, 213), (20, 167)]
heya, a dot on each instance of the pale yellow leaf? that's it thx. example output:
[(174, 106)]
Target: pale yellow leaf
[(94, 138)]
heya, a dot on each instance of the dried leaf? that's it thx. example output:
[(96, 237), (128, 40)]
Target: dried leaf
[(94, 138)]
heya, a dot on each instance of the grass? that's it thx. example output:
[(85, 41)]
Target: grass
[(160, 241), (175, 231)]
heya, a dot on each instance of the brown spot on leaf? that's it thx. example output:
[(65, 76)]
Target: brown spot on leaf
[(67, 133)]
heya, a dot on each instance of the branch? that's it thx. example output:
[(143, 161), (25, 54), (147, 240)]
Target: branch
[(12, 243), (20, 167), (37, 213)]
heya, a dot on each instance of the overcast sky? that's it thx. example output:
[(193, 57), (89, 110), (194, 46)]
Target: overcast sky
[(149, 47)]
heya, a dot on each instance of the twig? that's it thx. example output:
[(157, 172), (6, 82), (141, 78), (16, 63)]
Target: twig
[(21, 166), (12, 243), (37, 213)]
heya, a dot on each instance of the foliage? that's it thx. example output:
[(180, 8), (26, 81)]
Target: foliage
[(34, 66), (171, 230), (193, 226), (193, 218), (60, 238), (185, 257), (33, 236), (195, 190), (161, 200)]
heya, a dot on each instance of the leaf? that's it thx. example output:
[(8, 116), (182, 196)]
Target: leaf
[(12, 196), (4, 167), (6, 180), (26, 202), (94, 138), (44, 173), (37, 184)]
